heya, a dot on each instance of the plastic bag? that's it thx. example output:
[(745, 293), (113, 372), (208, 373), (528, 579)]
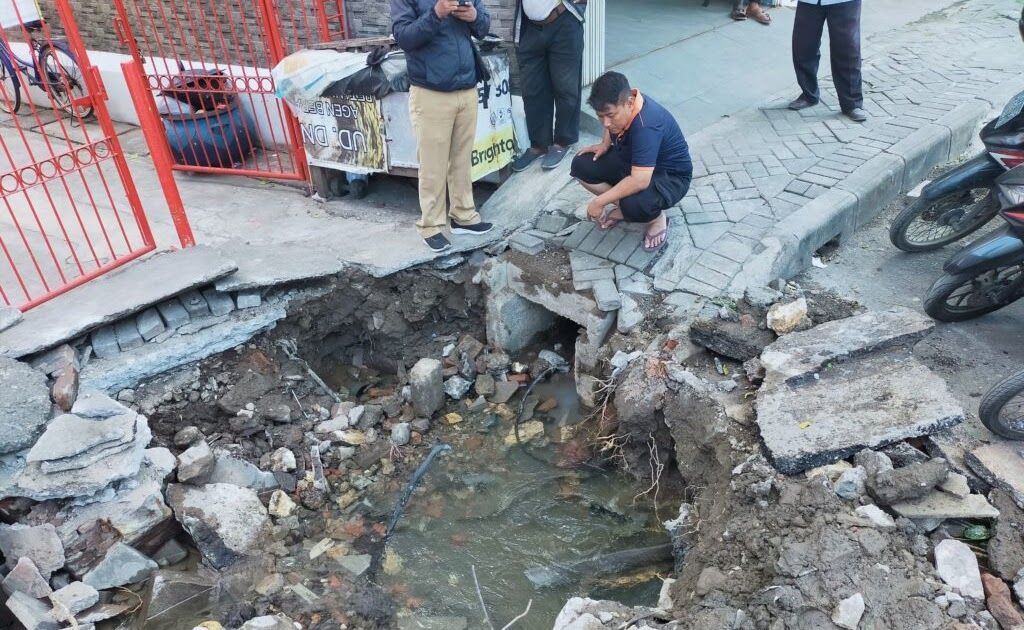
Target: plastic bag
[(308, 73)]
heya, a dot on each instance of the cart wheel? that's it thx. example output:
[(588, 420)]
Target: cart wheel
[(358, 188)]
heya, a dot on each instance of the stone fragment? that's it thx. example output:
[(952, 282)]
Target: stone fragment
[(188, 436), (957, 565), (849, 611), (876, 515), (31, 612), (902, 454), (173, 313), (122, 565), (24, 405), (1000, 604), (9, 316), (25, 578), (908, 483), (171, 552), (831, 471), (128, 337), (630, 315), (851, 483), (785, 318), (74, 598), (248, 299), (320, 548), (149, 324), (65, 388), (356, 565), (104, 342), (270, 584), (282, 460), (269, 622), (607, 295), (527, 431), (710, 579), (503, 391), (229, 469), (196, 464), (327, 427), (1000, 464), (956, 485), (873, 462), (427, 385), (170, 588), (761, 297), (40, 544), (942, 505), (224, 520), (457, 387), (730, 339), (55, 360), (89, 434), (1006, 546), (195, 304), (1018, 586), (281, 505), (401, 433), (484, 385)]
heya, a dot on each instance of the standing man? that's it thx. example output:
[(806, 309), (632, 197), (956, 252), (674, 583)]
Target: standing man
[(442, 66), (549, 34), (843, 17)]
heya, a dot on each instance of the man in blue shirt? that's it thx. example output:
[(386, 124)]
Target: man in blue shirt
[(843, 18), (441, 60), (641, 168)]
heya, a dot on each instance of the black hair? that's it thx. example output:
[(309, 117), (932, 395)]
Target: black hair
[(611, 88)]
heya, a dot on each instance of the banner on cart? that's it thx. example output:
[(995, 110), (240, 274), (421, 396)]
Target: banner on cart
[(347, 130), (495, 145), (14, 13)]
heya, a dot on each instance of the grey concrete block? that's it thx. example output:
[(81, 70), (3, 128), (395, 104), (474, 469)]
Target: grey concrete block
[(625, 248), (248, 299), (9, 316), (700, 218), (585, 279), (610, 242), (219, 303), (921, 151), (149, 324), (607, 295), (526, 243), (962, 123), (876, 183), (195, 304), (799, 235), (552, 223), (581, 232), (104, 342), (641, 258), (128, 337), (174, 314), (593, 239), (580, 261)]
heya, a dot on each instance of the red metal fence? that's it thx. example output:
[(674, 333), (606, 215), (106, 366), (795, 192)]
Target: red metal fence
[(70, 211), (207, 64)]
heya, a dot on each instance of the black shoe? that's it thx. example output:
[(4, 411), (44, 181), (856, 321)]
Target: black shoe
[(801, 103), (524, 161), (437, 243), (476, 229), (857, 114)]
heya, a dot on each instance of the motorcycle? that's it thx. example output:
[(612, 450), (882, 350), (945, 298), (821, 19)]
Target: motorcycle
[(989, 273), (1002, 408), (962, 199)]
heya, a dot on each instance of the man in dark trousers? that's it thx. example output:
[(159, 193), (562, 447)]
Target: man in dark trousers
[(436, 38), (843, 18), (549, 38)]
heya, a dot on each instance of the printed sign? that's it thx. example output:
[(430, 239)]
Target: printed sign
[(495, 145), (348, 130), (14, 13)]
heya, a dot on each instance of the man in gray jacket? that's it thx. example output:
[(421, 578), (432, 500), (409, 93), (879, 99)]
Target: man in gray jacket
[(549, 37), (443, 74)]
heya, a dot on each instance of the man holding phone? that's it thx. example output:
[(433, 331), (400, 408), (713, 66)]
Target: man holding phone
[(436, 36)]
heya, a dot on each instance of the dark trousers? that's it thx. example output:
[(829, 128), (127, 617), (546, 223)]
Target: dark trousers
[(844, 33), (550, 67), (665, 191)]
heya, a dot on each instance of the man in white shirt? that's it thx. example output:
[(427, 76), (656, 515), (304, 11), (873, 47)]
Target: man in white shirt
[(549, 44), (843, 18)]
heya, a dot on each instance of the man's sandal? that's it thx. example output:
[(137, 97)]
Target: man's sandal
[(738, 14), (761, 16)]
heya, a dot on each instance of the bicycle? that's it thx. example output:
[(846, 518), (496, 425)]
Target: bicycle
[(57, 73)]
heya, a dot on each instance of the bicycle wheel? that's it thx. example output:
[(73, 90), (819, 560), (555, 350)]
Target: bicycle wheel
[(10, 93), (64, 81)]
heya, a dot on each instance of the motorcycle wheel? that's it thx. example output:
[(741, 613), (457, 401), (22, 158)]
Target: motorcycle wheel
[(956, 298), (1002, 408), (925, 225)]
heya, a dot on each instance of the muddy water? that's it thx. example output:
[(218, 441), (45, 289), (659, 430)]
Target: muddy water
[(498, 508)]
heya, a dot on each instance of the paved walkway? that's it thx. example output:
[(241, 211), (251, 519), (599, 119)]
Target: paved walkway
[(771, 183)]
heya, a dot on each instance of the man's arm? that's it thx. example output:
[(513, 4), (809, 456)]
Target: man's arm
[(482, 26), (638, 180), (412, 31)]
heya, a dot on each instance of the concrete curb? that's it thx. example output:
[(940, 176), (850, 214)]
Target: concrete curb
[(788, 248)]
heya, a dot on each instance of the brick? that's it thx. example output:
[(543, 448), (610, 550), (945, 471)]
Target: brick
[(149, 324), (607, 295), (593, 240), (709, 276), (580, 261), (195, 304), (527, 244), (610, 242), (128, 337), (741, 179), (733, 248), (706, 194), (721, 264), (248, 299), (220, 304), (756, 170), (624, 250), (552, 223), (581, 232), (175, 315), (641, 258), (104, 342), (798, 187), (706, 217), (585, 279), (736, 195)]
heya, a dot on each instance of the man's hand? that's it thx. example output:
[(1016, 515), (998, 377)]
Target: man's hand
[(466, 13), (597, 149), (444, 8), (595, 210)]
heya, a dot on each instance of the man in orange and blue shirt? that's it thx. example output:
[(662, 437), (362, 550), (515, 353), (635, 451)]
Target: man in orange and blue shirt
[(641, 168)]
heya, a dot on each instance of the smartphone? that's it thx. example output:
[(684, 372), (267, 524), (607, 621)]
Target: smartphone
[(465, 3)]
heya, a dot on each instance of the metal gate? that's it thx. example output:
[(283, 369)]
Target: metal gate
[(206, 70), (70, 210)]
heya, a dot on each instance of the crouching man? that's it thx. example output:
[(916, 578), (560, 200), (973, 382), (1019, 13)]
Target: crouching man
[(641, 168)]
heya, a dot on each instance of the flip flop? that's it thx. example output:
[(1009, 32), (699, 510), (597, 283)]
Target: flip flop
[(738, 14), (656, 235), (761, 17)]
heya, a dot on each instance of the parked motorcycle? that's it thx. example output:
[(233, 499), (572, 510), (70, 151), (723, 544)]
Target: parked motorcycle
[(962, 200), (989, 273), (1002, 408)]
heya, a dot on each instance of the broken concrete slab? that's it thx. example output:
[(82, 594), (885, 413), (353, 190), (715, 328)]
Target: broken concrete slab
[(89, 433), (55, 360), (225, 521), (168, 589), (941, 505), (730, 339), (229, 469), (272, 264), (25, 578), (31, 612), (907, 483), (40, 544), (122, 565), (803, 354), (196, 464), (957, 566), (1006, 547), (855, 405), (74, 598), (1001, 464), (112, 297), (9, 316), (24, 405)]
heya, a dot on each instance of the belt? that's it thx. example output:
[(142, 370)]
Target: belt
[(555, 13)]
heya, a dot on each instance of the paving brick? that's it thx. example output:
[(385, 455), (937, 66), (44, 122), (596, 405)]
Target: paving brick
[(220, 303), (195, 304), (104, 342), (721, 264), (552, 223), (705, 235), (757, 170), (735, 195), (624, 249), (640, 258), (706, 217), (526, 243), (175, 315), (794, 199), (606, 294), (798, 187), (593, 240), (733, 248), (696, 287), (583, 230), (799, 165), (248, 299), (824, 171), (580, 261), (725, 168), (709, 276), (758, 221), (741, 179), (706, 194), (690, 204), (585, 279), (128, 337), (610, 242), (149, 324), (736, 210), (747, 231)]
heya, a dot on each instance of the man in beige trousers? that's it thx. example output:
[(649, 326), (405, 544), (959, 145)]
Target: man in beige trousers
[(443, 74)]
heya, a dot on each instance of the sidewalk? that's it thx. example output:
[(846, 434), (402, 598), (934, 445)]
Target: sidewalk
[(772, 186)]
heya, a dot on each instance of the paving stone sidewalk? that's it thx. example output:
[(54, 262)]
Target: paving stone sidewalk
[(775, 179)]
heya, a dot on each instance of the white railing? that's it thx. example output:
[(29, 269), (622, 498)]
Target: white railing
[(593, 38)]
